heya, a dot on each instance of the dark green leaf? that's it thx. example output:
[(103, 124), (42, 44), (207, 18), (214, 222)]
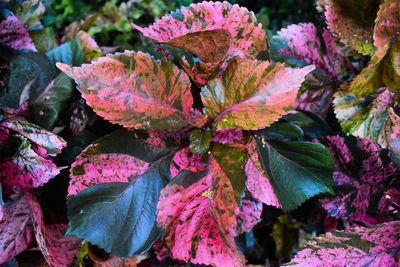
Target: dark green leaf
[(312, 124), (76, 143), (52, 101), (69, 53), (296, 170), (232, 161), (118, 217), (280, 130), (29, 73), (200, 141)]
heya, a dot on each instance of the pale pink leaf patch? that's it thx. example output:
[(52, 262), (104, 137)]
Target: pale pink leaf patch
[(16, 229), (199, 218), (93, 167), (257, 182), (251, 94), (249, 215), (135, 91), (14, 35), (359, 246)]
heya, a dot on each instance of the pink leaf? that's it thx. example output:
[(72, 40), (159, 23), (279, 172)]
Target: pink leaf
[(26, 168), (305, 44), (16, 229), (57, 250), (184, 160), (364, 172), (14, 35), (247, 35), (93, 167), (371, 246), (251, 94), (39, 136), (249, 215), (199, 216), (136, 91), (257, 182)]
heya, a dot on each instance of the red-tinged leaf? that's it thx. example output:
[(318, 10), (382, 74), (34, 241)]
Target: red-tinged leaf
[(56, 249), (249, 215), (364, 172), (257, 181), (39, 136), (371, 116), (387, 25), (26, 168), (185, 160), (118, 157), (209, 46), (198, 214), (359, 246), (14, 35), (251, 94), (353, 21), (316, 101), (248, 36), (16, 229), (305, 44), (136, 91)]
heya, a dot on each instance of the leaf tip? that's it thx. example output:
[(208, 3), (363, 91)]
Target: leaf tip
[(67, 69)]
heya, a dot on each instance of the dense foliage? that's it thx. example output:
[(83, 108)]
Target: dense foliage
[(205, 137)]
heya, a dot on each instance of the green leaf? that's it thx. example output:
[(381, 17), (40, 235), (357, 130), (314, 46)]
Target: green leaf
[(232, 161), (69, 53), (76, 143), (118, 217), (251, 94), (29, 73), (280, 130), (44, 40), (297, 171), (50, 103), (200, 141), (312, 125)]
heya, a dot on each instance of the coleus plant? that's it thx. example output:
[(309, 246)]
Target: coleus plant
[(202, 140)]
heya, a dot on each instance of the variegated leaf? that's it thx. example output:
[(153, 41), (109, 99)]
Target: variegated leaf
[(135, 90), (16, 229), (198, 213), (118, 157), (13, 33), (249, 215), (185, 160), (353, 21), (251, 94), (91, 50), (364, 172), (359, 246)]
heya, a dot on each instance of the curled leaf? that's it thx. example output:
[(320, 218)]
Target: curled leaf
[(134, 90)]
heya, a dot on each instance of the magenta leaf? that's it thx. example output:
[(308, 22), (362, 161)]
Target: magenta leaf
[(257, 181), (305, 44), (118, 157), (16, 229), (251, 94), (359, 246), (26, 167), (14, 35), (248, 37), (363, 174), (185, 160), (198, 213), (136, 91), (39, 136), (249, 215), (56, 249)]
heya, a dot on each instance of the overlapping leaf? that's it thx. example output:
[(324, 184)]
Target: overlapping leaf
[(248, 37), (16, 229), (251, 94), (198, 214), (371, 116), (134, 90), (249, 215), (118, 157), (371, 246), (363, 174), (353, 21), (13, 33), (185, 160)]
